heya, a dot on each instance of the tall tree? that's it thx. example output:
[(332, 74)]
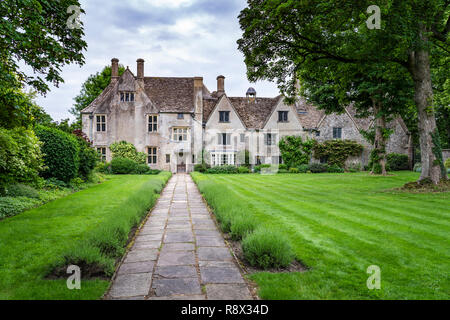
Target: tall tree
[(39, 33), (91, 89), (380, 91), (280, 36)]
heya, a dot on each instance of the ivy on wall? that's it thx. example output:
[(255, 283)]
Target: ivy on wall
[(337, 151), (295, 151)]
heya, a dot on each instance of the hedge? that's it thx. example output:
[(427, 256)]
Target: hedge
[(61, 153)]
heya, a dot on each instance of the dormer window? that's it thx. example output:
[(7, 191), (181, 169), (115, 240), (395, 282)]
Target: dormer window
[(127, 96), (282, 116), (224, 116)]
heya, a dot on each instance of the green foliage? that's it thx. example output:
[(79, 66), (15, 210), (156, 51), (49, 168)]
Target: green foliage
[(87, 155), (447, 163), (335, 169), (294, 170), (243, 170), (11, 206), (36, 33), (303, 168), (295, 151), (337, 151), (222, 169), (61, 153), (282, 166), (142, 168), (121, 165), (259, 167), (21, 159), (91, 89), (22, 190), (318, 168), (103, 245), (241, 226), (127, 150), (282, 171), (397, 161), (201, 167), (103, 167), (267, 249), (284, 41)]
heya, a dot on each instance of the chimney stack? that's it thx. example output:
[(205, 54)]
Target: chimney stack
[(114, 69), (220, 85), (140, 69)]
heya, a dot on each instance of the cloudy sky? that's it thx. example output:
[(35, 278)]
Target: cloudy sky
[(175, 38)]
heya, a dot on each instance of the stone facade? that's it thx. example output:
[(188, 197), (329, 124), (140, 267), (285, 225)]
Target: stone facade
[(176, 121)]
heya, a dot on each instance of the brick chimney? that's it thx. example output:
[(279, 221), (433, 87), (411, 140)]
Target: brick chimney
[(220, 85), (114, 69), (140, 69)]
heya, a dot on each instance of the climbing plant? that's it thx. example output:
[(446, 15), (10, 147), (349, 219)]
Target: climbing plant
[(337, 151), (295, 151)]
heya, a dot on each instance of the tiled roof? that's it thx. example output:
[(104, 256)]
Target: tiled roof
[(171, 94), (208, 106), (254, 114), (102, 102), (361, 123), (308, 114)]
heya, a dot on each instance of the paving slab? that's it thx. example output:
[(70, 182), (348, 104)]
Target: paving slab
[(131, 285), (167, 287), (136, 267), (178, 250), (220, 275), (175, 272), (228, 292)]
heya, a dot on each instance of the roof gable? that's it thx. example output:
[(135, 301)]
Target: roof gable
[(220, 101), (254, 114)]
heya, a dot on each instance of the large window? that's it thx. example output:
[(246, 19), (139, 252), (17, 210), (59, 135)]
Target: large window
[(167, 158), (270, 139), (224, 116), (152, 123), (127, 96), (283, 116), (179, 134), (221, 159), (152, 155), (337, 133), (100, 120), (102, 153)]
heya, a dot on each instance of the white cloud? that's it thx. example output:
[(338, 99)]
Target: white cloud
[(175, 38)]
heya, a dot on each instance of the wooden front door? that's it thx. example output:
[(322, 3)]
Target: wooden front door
[(181, 168)]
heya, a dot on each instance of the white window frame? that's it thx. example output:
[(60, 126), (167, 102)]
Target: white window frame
[(178, 132), (223, 158), (102, 123)]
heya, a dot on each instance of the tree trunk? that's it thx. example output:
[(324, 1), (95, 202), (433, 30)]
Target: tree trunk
[(380, 141), (419, 67)]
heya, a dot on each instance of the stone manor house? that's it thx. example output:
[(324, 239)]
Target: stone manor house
[(176, 121)]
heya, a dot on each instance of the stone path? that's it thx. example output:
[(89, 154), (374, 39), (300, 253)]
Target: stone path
[(179, 253)]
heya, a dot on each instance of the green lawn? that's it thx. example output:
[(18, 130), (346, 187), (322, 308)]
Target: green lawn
[(339, 224), (34, 240)]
